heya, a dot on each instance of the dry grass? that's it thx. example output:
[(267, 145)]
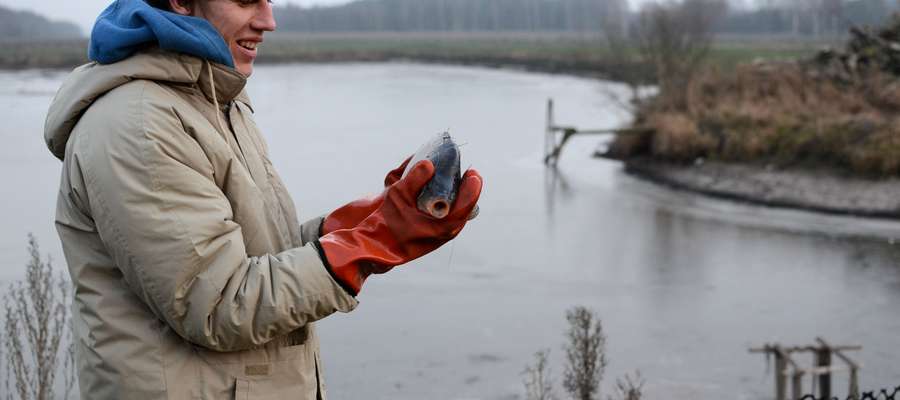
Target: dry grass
[(785, 114), (839, 109)]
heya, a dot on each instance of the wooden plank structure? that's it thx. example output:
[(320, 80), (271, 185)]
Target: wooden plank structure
[(786, 367), (556, 136)]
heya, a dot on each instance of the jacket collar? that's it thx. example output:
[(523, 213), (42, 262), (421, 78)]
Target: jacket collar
[(227, 84)]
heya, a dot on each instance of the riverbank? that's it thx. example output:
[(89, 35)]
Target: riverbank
[(566, 53), (820, 133), (825, 191)]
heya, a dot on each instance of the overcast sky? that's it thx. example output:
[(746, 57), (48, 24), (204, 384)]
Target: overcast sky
[(83, 12)]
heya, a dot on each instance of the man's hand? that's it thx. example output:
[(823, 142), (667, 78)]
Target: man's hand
[(396, 232)]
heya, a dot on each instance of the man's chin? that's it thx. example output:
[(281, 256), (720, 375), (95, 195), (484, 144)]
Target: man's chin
[(245, 70)]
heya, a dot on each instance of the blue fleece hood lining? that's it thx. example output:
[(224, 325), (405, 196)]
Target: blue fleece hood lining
[(127, 26)]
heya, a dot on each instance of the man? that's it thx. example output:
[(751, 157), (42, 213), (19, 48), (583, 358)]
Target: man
[(193, 279)]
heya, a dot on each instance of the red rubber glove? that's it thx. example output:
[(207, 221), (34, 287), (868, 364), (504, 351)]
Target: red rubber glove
[(351, 214), (397, 232)]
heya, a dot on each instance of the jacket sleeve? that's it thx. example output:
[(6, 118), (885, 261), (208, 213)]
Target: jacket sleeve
[(171, 232), (311, 230)]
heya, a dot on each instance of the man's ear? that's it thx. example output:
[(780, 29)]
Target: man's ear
[(183, 7)]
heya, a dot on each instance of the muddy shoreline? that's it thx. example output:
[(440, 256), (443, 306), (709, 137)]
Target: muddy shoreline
[(820, 191)]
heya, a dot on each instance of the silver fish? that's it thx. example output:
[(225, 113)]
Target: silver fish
[(438, 195)]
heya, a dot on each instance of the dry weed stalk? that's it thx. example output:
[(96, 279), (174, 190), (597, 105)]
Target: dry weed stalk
[(538, 381), (35, 323), (585, 354), (629, 387)]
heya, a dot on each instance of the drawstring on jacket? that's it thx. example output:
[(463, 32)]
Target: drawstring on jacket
[(212, 89)]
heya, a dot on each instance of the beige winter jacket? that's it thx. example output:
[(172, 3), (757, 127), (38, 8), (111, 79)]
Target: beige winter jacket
[(193, 278)]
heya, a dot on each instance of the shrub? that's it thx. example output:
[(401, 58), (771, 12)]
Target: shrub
[(538, 381), (585, 354), (629, 387), (35, 324)]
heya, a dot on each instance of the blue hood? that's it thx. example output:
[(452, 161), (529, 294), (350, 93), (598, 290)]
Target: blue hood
[(127, 26)]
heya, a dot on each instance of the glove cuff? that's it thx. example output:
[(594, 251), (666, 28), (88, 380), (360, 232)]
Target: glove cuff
[(348, 277)]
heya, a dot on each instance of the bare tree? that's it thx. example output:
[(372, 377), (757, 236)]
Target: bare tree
[(538, 381), (616, 28), (676, 37), (36, 321), (629, 387), (585, 354)]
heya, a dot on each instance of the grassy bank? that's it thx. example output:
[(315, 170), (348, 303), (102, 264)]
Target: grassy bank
[(549, 52), (839, 110)]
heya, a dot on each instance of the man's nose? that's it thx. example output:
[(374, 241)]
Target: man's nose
[(265, 17)]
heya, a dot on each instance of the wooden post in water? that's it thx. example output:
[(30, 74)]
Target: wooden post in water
[(823, 359), (553, 147), (797, 385), (821, 373), (854, 383), (549, 141), (838, 351), (780, 377)]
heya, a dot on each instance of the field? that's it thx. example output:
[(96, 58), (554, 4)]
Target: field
[(581, 54)]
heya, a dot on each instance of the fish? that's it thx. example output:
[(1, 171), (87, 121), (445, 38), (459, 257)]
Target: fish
[(436, 198)]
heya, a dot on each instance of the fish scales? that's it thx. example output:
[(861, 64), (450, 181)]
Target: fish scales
[(436, 198)]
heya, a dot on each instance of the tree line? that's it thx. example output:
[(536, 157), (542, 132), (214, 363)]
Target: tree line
[(26, 25), (807, 17), (800, 17), (450, 15)]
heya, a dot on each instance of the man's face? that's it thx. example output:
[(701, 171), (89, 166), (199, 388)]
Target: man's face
[(241, 23)]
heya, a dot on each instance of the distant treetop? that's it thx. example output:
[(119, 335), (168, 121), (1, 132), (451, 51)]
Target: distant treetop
[(26, 25), (798, 17)]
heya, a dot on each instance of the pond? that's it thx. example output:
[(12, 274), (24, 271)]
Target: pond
[(684, 285)]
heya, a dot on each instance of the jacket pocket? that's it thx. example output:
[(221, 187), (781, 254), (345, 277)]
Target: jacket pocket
[(274, 388)]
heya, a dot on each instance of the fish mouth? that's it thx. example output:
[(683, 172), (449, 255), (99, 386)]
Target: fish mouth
[(438, 208)]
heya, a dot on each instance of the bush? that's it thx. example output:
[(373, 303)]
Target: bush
[(585, 364), (629, 387), (538, 381), (585, 354), (35, 323), (830, 112)]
